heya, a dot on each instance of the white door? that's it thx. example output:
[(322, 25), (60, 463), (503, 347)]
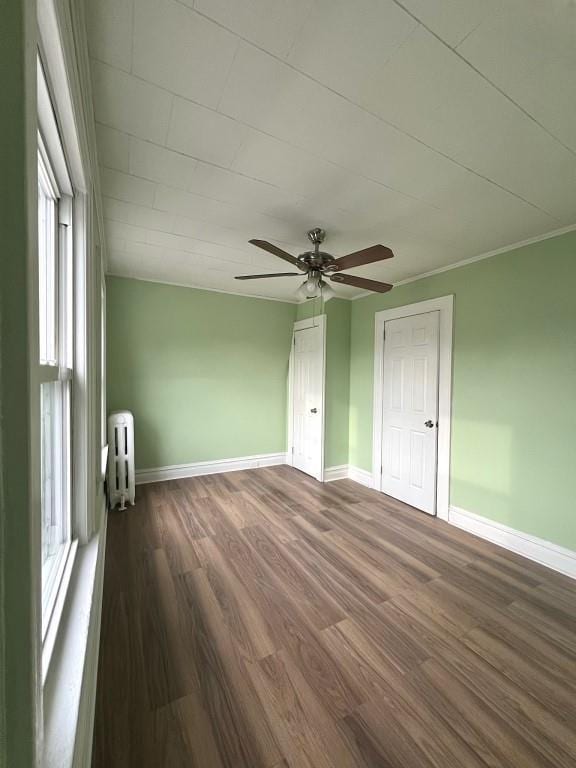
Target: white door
[(308, 398), (410, 410)]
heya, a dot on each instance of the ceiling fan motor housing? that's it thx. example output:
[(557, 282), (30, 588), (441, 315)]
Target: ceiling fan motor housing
[(316, 259)]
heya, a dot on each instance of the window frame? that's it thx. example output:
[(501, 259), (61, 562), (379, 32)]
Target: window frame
[(55, 177)]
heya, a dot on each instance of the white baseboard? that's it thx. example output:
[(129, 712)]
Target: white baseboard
[(343, 471), (545, 552), (335, 473), (361, 476), (177, 471)]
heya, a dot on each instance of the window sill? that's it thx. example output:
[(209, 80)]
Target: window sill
[(58, 607), (70, 685)]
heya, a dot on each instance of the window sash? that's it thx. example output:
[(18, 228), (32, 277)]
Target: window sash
[(55, 375)]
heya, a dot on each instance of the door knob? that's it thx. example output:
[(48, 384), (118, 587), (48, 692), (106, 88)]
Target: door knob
[(429, 424), (313, 410)]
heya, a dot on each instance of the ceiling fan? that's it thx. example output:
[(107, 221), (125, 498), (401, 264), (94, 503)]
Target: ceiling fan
[(319, 265)]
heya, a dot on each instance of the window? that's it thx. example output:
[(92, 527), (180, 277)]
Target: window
[(55, 317)]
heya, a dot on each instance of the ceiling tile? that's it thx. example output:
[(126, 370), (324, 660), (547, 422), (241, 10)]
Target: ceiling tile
[(110, 26), (222, 235), (271, 24), (233, 187), (198, 208), (204, 134), (129, 104), (210, 250), (524, 159), (131, 189), (119, 230), (528, 49), (427, 91), (344, 44), (112, 148), (137, 215), (327, 191), (372, 127), (159, 164), (268, 95), (178, 49)]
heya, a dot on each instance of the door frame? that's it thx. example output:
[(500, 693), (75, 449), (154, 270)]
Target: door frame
[(445, 306), (301, 325)]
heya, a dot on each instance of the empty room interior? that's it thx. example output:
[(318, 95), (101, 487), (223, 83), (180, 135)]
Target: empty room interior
[(288, 384)]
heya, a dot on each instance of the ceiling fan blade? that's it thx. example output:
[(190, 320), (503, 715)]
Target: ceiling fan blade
[(273, 249), (365, 256), (276, 274), (362, 282)]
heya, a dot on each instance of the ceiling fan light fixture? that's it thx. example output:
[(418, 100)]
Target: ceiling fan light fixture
[(310, 288), (326, 291)]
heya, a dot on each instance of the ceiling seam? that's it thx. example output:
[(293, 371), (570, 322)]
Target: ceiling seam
[(331, 162), (374, 114), (299, 199), (466, 61), (257, 130)]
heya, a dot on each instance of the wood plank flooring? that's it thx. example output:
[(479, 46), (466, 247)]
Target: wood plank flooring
[(259, 619)]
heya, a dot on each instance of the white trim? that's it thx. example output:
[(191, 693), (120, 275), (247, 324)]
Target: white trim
[(541, 551), (63, 581), (201, 287), (361, 476), (69, 707), (472, 259), (420, 276), (177, 471), (301, 325), (335, 473), (87, 705), (347, 471), (445, 305)]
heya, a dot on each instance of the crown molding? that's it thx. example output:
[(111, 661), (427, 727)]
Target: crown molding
[(480, 257), (462, 263)]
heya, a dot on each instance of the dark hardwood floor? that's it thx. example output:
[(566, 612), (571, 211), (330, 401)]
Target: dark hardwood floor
[(260, 619)]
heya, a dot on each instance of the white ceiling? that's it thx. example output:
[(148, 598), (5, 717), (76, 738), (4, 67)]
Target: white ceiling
[(441, 128)]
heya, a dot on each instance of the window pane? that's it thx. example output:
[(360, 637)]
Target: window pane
[(55, 458), (47, 266)]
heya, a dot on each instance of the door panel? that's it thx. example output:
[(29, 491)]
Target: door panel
[(409, 448), (308, 367)]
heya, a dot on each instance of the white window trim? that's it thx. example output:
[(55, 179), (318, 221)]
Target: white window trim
[(54, 165), (65, 697), (445, 305)]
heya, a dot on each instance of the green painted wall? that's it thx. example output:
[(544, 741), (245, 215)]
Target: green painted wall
[(337, 376), (514, 393), (204, 373), (18, 216)]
